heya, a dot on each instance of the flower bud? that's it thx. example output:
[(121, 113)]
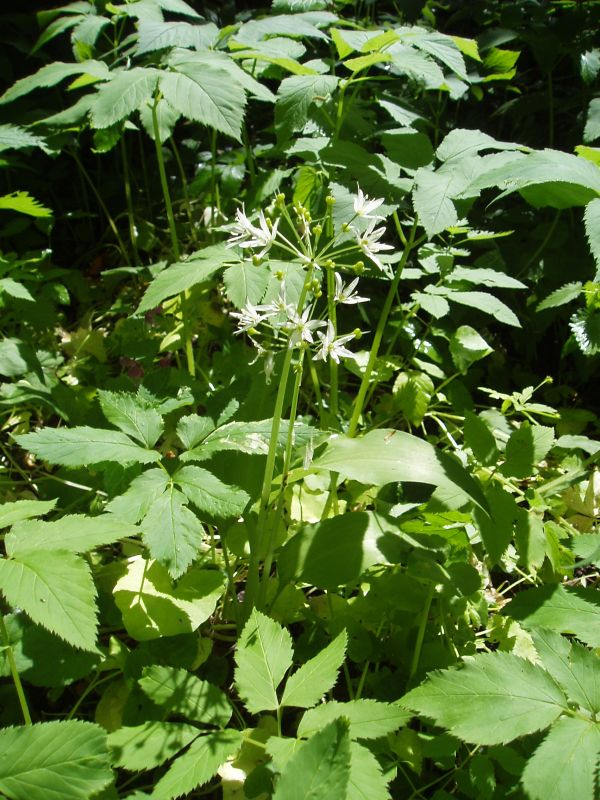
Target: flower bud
[(359, 267), (280, 275), (330, 200), (318, 230), (357, 333), (256, 260)]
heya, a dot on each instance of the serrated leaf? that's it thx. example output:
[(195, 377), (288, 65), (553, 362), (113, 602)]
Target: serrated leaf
[(127, 91), (303, 24), (149, 745), (66, 760), (166, 118), (181, 693), (244, 282), (23, 509), (24, 203), (318, 768), (210, 495), (492, 699), (317, 676), (432, 201), (486, 303), (55, 589), (126, 412), (13, 137), (183, 275), (206, 94), (592, 124), (153, 607), (171, 532), (248, 437), (467, 346), (135, 503), (160, 35), (497, 529), (412, 391), (566, 762), (487, 277), (15, 289), (295, 96), (263, 656), (591, 218), (198, 764), (52, 74), (559, 297), (436, 44), (572, 666), (527, 446), (78, 447), (76, 533), (192, 429), (460, 143), (368, 719), (366, 781)]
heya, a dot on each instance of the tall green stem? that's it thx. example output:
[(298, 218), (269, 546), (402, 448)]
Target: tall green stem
[(333, 367), (14, 672), (184, 297), (129, 200), (364, 385)]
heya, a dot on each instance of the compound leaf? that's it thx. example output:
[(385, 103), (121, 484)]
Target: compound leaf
[(317, 676), (78, 447)]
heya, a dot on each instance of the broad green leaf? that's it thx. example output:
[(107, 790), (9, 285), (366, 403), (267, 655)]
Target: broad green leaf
[(24, 203), (419, 67), (210, 495), (566, 293), (12, 137), (566, 762), (15, 289), (317, 676), (149, 745), (77, 447), (23, 509), (76, 533), (368, 719), (135, 503), (487, 277), (209, 59), (160, 35), (486, 303), (303, 24), (364, 62), (206, 94), (152, 607), (182, 693), (466, 347), (591, 218), (387, 456), (245, 282), (527, 446), (432, 201), (52, 74), (66, 760), (198, 764), (88, 29), (249, 437), (295, 96), (127, 91), (497, 529), (55, 589), (262, 657), (166, 118), (366, 781), (412, 392), (126, 412), (492, 699), (565, 610), (480, 439), (461, 142), (319, 768), (171, 532), (407, 147), (572, 666), (441, 47), (192, 429), (183, 275), (17, 358), (592, 125)]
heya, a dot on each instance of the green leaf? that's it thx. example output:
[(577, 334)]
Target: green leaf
[(492, 699), (304, 24), (461, 142), (149, 745), (55, 589), (368, 719), (388, 456), (487, 277), (13, 137), (480, 439), (66, 760), (198, 764), (24, 203), (181, 693), (52, 74), (135, 503), (183, 275), (245, 282), (210, 495), (77, 447), (527, 446), (412, 391), (318, 768), (152, 607), (566, 762), (23, 509), (572, 666), (436, 44), (366, 781), (126, 412), (262, 657), (317, 676), (566, 293), (192, 429), (248, 437), (486, 303), (565, 610), (207, 94), (171, 532), (591, 218), (432, 201), (467, 347), (15, 289), (497, 528), (592, 125), (417, 66), (154, 36), (295, 96), (127, 91), (76, 533), (166, 118)]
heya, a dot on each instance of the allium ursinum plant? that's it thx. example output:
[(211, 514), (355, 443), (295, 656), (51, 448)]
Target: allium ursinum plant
[(302, 318)]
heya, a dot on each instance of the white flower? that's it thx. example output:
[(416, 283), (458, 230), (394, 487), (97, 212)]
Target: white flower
[(246, 234), (363, 207), (369, 243), (248, 317), (346, 294), (301, 328), (332, 347), (278, 306)]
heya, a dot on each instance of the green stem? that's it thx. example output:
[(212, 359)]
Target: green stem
[(184, 296), (14, 672), (364, 385), (333, 367), (184, 187), (421, 634), (129, 200)]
